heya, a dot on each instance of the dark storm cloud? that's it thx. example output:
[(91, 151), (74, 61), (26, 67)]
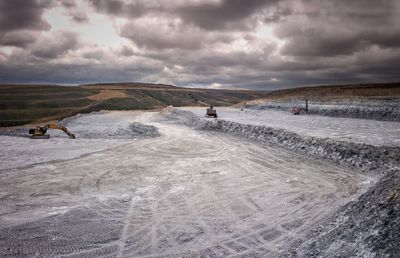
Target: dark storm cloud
[(22, 14), (73, 11), (22, 68), (329, 28), (256, 44), (56, 45), (79, 17), (220, 15), (18, 20), (65, 74), (170, 35), (227, 14), (68, 3), (19, 38), (126, 51), (312, 42), (130, 9)]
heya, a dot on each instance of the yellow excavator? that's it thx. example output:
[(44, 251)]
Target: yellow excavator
[(39, 132)]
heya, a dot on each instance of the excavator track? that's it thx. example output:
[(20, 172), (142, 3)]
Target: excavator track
[(46, 136)]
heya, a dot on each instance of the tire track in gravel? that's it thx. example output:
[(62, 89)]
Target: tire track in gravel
[(124, 232), (183, 193)]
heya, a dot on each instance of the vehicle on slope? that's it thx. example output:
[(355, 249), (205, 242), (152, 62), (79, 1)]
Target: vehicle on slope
[(297, 110), (39, 132), (211, 112)]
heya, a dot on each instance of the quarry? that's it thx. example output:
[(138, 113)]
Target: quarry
[(199, 129), (173, 183)]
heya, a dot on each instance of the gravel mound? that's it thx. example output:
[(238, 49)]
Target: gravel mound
[(134, 130), (143, 130), (108, 125), (367, 227)]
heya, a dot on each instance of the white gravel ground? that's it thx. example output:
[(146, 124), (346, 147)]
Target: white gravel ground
[(376, 133), (183, 193), (94, 132)]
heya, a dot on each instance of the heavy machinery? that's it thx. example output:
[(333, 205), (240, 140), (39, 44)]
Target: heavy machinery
[(39, 132), (211, 112), (298, 110)]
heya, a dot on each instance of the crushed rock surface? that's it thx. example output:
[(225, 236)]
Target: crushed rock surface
[(184, 193), (94, 132), (366, 227), (376, 133)]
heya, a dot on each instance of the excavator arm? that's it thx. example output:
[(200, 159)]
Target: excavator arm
[(40, 131), (60, 127)]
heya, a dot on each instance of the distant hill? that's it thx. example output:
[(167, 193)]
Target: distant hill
[(24, 104), (339, 92), (129, 85)]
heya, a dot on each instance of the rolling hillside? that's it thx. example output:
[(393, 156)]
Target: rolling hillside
[(339, 92), (24, 104)]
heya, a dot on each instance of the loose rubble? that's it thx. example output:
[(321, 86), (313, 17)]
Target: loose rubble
[(367, 227), (368, 158)]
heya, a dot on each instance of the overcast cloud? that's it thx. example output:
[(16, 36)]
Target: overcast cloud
[(256, 44)]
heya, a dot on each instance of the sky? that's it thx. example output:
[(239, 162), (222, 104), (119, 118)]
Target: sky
[(232, 44)]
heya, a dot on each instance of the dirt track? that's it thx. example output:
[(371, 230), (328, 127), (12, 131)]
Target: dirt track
[(108, 94), (184, 192)]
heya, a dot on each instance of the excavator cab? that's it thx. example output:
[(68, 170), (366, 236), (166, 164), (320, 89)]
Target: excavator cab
[(40, 131), (211, 112)]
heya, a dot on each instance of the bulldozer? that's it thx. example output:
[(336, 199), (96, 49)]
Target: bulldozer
[(39, 132), (211, 112)]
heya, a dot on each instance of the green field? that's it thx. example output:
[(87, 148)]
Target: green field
[(24, 104)]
